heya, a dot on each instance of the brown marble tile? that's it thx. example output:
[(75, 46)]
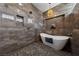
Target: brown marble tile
[(37, 49)]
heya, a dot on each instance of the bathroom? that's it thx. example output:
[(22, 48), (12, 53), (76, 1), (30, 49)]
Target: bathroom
[(23, 27)]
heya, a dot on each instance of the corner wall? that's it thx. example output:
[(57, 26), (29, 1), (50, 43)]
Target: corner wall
[(13, 35), (75, 32)]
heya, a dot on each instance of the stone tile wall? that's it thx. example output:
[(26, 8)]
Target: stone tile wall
[(13, 35)]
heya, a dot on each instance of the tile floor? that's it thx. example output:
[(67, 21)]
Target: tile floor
[(37, 49)]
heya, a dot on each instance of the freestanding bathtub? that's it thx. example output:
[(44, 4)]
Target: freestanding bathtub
[(56, 42)]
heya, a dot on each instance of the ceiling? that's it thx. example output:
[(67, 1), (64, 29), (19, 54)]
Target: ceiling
[(44, 6), (41, 6)]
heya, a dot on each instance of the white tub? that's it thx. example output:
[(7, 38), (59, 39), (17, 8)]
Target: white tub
[(58, 41)]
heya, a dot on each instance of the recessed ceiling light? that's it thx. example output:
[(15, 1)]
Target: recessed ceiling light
[(20, 4), (49, 3)]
